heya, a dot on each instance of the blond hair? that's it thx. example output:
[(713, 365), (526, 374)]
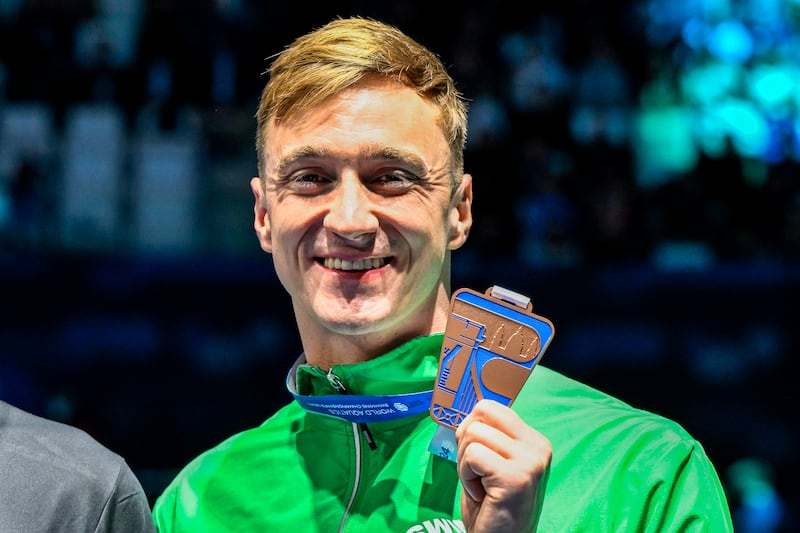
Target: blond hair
[(328, 60)]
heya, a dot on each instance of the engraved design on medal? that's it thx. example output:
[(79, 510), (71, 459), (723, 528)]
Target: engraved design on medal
[(489, 350)]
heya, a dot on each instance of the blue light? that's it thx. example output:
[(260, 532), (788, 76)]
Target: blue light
[(773, 86), (695, 33), (731, 41)]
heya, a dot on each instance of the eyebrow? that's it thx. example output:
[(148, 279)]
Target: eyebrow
[(369, 153)]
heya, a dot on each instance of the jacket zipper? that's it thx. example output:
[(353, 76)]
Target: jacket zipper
[(339, 387)]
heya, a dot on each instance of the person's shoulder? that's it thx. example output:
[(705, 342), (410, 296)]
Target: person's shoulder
[(232, 459), (608, 448), (555, 385), (559, 388), (237, 448), (567, 403), (60, 445), (57, 466)]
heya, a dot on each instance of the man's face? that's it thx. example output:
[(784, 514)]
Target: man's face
[(359, 213)]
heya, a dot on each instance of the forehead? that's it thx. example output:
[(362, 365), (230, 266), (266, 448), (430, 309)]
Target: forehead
[(374, 112)]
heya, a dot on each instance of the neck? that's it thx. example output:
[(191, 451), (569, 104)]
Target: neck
[(327, 348), (349, 349)]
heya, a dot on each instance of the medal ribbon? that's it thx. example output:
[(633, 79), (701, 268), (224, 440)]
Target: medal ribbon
[(361, 409)]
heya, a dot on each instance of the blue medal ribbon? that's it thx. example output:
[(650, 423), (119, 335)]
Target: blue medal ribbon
[(367, 409), (361, 409)]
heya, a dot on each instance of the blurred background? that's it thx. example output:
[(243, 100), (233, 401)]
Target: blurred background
[(637, 173)]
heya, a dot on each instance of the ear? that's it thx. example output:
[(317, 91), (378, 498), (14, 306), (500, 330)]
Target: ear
[(460, 216), (261, 223)]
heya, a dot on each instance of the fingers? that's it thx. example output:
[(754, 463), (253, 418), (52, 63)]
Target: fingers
[(472, 469), (498, 453), (501, 430), (496, 415), (502, 463), (485, 430)]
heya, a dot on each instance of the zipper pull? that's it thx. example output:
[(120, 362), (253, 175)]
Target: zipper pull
[(336, 382), (338, 385)]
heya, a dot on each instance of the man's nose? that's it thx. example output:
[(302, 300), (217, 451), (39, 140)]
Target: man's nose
[(351, 214)]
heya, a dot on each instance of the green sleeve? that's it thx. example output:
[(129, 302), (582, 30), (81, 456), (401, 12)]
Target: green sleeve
[(687, 495)]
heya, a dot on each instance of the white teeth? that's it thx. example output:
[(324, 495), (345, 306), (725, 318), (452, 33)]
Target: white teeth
[(358, 264)]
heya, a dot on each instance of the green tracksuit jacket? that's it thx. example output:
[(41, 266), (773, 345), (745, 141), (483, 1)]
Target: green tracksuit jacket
[(614, 468)]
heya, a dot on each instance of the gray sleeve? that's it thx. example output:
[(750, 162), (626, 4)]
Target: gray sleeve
[(56, 478), (127, 509)]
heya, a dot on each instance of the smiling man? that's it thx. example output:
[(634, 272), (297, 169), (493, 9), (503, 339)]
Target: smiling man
[(361, 199), (360, 219)]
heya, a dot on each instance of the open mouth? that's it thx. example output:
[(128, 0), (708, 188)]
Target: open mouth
[(337, 263)]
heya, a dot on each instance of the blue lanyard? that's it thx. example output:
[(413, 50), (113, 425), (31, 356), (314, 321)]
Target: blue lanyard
[(367, 409), (361, 409)]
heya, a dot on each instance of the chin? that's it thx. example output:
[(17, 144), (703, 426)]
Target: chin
[(355, 326), (348, 322)]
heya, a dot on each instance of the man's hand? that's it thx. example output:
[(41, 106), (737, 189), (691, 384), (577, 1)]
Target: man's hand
[(503, 464)]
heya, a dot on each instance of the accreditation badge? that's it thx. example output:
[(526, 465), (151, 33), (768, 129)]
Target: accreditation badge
[(491, 344)]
